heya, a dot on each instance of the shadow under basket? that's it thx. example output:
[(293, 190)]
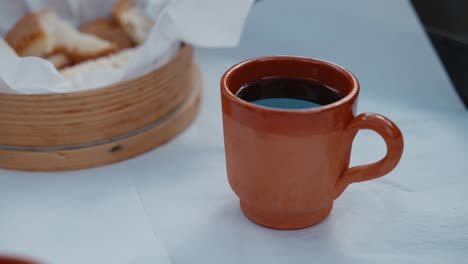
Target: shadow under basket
[(77, 130)]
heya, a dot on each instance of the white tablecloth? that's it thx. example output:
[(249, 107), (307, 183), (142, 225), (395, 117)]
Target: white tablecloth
[(175, 204)]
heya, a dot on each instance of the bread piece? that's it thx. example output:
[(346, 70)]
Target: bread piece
[(108, 29), (114, 61), (102, 23), (27, 37), (133, 20), (43, 33), (59, 60), (4, 45)]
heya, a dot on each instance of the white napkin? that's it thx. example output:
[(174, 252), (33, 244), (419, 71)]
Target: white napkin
[(68, 218)]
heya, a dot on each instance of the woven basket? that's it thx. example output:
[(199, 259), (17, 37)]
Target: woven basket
[(99, 126)]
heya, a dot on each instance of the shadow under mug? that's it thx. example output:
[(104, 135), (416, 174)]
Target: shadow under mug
[(287, 166)]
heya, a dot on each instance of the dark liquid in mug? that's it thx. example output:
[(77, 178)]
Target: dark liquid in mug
[(288, 93)]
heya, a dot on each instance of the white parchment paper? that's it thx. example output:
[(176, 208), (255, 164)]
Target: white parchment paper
[(205, 23)]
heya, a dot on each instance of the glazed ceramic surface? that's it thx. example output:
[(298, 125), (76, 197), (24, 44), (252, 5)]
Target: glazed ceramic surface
[(288, 166), (15, 260)]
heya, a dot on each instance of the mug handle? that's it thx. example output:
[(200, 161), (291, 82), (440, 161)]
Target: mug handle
[(393, 139)]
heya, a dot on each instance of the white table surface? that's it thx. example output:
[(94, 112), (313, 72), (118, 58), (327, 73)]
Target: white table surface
[(175, 204)]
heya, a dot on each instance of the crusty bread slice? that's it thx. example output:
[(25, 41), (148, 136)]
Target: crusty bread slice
[(44, 33), (114, 61), (108, 29), (59, 60), (101, 23), (27, 37), (133, 20), (4, 45)]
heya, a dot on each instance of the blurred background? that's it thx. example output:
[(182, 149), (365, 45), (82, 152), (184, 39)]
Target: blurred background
[(446, 24)]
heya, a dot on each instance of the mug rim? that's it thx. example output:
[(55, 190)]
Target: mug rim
[(323, 63)]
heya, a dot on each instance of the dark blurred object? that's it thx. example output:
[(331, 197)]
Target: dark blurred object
[(446, 23)]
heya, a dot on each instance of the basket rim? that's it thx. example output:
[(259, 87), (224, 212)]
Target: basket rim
[(93, 91)]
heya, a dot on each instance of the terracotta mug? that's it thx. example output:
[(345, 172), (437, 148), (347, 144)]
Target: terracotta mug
[(288, 166), (15, 260)]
